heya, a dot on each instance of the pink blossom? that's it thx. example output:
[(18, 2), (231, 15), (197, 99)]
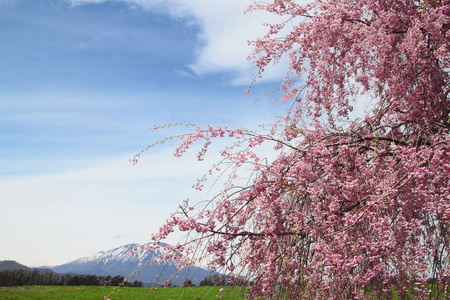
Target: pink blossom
[(349, 206)]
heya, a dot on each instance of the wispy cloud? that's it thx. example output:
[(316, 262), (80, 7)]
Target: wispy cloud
[(100, 205), (54, 212), (224, 34), (82, 85)]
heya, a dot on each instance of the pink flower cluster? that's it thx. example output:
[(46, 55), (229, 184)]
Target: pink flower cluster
[(349, 207)]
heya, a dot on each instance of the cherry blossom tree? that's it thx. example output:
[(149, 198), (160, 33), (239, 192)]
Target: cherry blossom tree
[(352, 207)]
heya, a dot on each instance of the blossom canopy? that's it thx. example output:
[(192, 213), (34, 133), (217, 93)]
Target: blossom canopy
[(350, 206)]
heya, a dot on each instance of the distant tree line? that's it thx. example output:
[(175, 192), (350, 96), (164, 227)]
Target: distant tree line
[(214, 280), (221, 279), (39, 277)]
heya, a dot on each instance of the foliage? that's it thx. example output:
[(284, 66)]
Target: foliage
[(350, 206), (214, 280), (38, 277)]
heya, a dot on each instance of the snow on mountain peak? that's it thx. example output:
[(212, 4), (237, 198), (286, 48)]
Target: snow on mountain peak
[(126, 253), (127, 259)]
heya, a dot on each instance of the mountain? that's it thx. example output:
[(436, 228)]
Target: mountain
[(122, 261), (12, 265)]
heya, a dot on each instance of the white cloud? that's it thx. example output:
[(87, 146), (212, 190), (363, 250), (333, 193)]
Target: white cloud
[(224, 34), (110, 202), (66, 215), (105, 205)]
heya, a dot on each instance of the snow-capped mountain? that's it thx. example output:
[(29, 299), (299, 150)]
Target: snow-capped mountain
[(123, 261)]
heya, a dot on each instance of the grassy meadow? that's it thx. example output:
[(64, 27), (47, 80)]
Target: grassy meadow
[(124, 293), (40, 292)]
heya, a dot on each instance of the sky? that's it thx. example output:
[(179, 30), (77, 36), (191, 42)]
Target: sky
[(81, 84)]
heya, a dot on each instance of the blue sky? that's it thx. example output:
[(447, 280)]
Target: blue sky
[(81, 84)]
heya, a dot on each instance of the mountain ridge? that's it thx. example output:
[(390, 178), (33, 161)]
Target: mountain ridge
[(125, 262), (11, 265)]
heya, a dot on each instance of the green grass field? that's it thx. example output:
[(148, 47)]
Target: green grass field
[(98, 292), (125, 293)]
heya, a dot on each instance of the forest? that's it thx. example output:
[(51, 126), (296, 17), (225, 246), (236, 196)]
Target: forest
[(40, 277)]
